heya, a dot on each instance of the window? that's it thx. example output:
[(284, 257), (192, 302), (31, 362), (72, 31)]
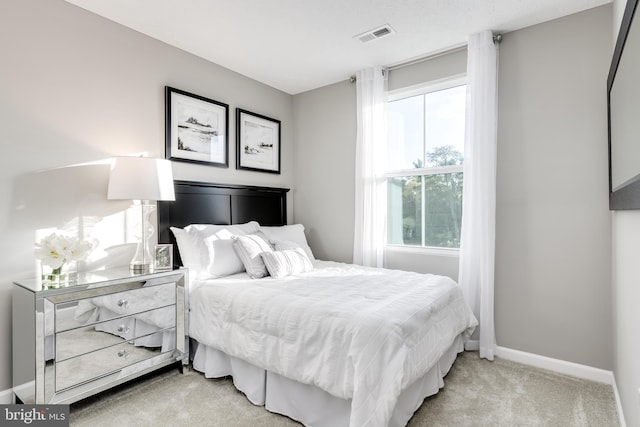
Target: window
[(425, 154)]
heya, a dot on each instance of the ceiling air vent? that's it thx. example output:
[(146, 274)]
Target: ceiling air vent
[(374, 34)]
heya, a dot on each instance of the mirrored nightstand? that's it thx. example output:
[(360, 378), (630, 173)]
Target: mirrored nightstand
[(104, 329)]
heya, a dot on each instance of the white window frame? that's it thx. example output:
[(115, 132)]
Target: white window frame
[(408, 92)]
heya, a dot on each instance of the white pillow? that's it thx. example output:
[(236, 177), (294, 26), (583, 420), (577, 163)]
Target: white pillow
[(286, 263), (238, 229), (249, 247), (293, 233), (187, 248), (222, 258), (200, 232)]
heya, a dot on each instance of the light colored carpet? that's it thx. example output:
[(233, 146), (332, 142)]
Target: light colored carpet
[(476, 393)]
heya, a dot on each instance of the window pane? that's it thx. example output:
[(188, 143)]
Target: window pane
[(444, 116), (443, 210), (404, 211), (405, 127), (426, 131), (442, 205)]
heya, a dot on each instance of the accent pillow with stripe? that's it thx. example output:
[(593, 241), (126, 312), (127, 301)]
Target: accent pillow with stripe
[(248, 248), (286, 263)]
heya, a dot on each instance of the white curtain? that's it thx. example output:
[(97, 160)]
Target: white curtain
[(477, 241), (369, 233)]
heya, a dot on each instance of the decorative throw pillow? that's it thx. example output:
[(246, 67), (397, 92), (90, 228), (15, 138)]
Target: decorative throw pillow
[(286, 263), (292, 233), (248, 248), (285, 245)]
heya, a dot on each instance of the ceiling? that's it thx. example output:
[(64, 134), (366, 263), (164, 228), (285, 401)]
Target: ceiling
[(299, 45)]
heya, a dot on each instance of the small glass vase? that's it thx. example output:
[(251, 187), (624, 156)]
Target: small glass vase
[(60, 277)]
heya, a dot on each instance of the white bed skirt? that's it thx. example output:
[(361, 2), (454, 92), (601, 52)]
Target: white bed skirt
[(309, 404)]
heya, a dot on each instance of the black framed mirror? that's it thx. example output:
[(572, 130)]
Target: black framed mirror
[(623, 101)]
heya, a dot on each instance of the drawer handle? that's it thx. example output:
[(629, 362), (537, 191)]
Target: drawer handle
[(123, 303), (123, 328), (123, 353)]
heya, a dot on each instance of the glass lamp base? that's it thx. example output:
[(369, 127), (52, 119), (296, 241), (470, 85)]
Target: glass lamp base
[(142, 261), (140, 268)]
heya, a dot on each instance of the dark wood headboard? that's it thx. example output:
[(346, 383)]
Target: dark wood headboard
[(207, 203)]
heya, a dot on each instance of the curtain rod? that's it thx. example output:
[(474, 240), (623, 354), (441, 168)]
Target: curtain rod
[(496, 39)]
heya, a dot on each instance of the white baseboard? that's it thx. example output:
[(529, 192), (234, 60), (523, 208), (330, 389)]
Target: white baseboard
[(7, 397), (556, 365), (623, 423), (567, 368)]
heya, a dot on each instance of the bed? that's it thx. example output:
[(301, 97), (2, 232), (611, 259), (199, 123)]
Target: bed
[(325, 343)]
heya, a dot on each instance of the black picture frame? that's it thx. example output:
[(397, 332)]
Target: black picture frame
[(625, 196), (258, 143), (196, 129)]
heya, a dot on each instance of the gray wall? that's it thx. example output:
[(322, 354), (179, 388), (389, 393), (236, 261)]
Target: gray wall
[(626, 292), (553, 287), (626, 299), (76, 88), (325, 134), (553, 284)]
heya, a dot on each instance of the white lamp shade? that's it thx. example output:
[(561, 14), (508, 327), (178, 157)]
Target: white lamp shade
[(140, 178)]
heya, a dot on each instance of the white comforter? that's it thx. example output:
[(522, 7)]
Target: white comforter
[(358, 333)]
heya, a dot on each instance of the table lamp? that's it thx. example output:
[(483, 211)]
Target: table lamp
[(141, 179)]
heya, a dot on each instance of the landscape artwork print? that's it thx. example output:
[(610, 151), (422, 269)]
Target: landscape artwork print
[(258, 142), (196, 129)]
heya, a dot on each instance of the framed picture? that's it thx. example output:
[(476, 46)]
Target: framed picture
[(258, 142), (164, 257), (196, 129)]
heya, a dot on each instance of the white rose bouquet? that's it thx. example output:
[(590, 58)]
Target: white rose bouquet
[(55, 250)]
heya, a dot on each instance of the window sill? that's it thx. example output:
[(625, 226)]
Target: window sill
[(425, 250)]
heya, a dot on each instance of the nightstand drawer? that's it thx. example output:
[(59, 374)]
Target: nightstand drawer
[(76, 342), (76, 314), (77, 370)]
